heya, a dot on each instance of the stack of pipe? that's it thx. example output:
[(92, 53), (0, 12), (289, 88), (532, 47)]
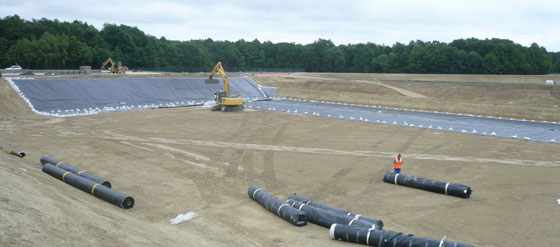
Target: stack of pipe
[(326, 215), (277, 206), (351, 227), (46, 159), (86, 182), (327, 218), (344, 225), (381, 238)]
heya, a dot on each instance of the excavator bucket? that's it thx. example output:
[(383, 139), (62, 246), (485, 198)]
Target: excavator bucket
[(211, 81)]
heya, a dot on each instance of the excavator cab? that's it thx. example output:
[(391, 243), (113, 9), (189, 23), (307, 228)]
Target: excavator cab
[(220, 95), (226, 103)]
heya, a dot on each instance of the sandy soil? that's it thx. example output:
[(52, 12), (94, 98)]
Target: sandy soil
[(190, 159), (509, 96)]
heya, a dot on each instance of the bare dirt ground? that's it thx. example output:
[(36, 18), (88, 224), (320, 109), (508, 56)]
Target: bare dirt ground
[(509, 96), (190, 159)]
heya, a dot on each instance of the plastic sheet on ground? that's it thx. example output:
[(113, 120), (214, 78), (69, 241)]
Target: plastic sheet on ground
[(183, 217), (453, 189), (467, 124), (67, 97), (270, 91)]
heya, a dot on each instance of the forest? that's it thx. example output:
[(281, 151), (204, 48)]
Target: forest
[(52, 44)]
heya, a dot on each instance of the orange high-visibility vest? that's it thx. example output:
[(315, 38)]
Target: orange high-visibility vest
[(397, 163)]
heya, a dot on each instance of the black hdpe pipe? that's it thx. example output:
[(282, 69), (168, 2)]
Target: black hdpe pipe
[(326, 218), (459, 190), (278, 207), (11, 150), (329, 208), (46, 159), (109, 195), (380, 238)]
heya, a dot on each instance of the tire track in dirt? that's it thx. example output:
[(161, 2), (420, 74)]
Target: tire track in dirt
[(409, 142), (438, 146), (269, 171), (397, 89), (249, 173), (209, 183), (327, 151), (185, 158), (235, 157), (329, 187)]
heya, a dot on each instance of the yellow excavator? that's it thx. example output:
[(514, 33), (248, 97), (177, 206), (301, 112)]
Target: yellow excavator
[(224, 101), (114, 69)]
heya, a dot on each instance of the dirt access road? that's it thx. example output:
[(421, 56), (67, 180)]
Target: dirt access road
[(190, 159)]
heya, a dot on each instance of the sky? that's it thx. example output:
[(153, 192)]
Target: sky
[(304, 21)]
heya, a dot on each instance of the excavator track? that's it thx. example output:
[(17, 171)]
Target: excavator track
[(232, 108)]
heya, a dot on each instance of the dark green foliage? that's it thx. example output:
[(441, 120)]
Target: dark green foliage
[(51, 44), (555, 62)]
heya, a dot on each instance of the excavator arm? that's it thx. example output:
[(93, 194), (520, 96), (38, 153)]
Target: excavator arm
[(219, 69), (109, 60)]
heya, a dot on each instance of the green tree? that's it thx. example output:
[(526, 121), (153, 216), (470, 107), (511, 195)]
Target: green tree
[(23, 52), (194, 57), (419, 60), (45, 43), (491, 64), (4, 57), (78, 53), (362, 60), (227, 53), (473, 63), (315, 55), (380, 63), (555, 62), (446, 60), (334, 60)]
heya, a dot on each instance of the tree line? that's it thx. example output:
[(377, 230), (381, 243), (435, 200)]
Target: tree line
[(51, 44)]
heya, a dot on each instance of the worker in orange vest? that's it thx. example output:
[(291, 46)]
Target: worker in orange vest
[(397, 164)]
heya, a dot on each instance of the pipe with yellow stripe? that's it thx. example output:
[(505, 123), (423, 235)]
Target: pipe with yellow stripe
[(107, 194), (6, 148), (46, 159)]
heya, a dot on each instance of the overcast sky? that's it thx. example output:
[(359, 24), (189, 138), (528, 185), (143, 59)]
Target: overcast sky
[(304, 21)]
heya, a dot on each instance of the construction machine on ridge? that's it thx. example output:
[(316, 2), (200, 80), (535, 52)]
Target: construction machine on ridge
[(114, 69)]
